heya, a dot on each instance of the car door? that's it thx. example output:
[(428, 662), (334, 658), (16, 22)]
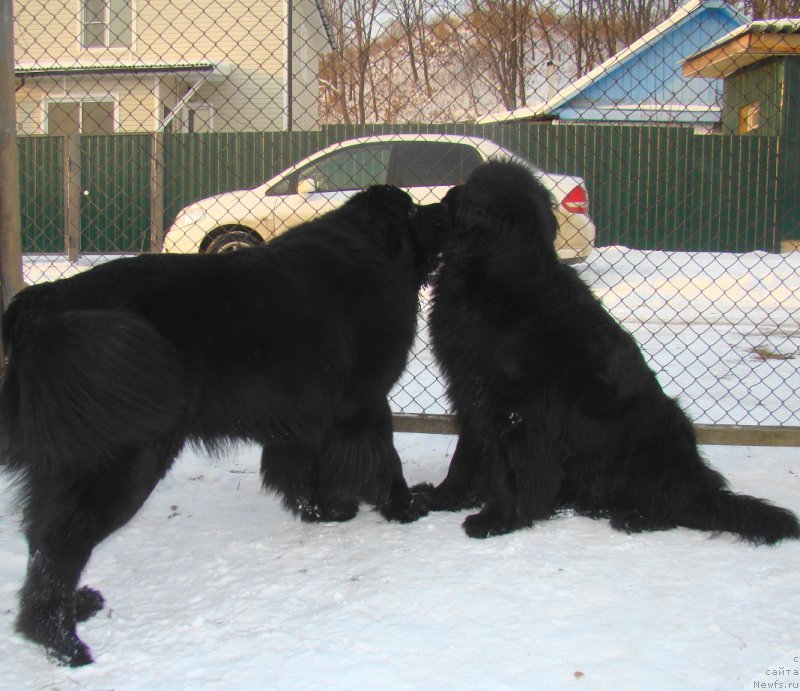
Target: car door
[(326, 183), (427, 169)]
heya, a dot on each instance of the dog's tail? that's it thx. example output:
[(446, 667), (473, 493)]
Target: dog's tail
[(82, 386), (755, 520)]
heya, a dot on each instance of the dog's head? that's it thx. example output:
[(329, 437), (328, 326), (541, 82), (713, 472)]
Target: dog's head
[(501, 205), (409, 232)]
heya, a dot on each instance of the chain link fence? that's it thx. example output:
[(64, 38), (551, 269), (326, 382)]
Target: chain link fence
[(669, 135)]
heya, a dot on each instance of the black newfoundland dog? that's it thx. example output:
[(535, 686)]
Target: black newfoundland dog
[(293, 345), (556, 404)]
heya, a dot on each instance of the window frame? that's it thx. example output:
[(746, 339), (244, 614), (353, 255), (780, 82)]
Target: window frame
[(80, 101), (115, 14)]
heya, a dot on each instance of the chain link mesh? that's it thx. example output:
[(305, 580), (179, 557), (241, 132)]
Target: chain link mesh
[(686, 141)]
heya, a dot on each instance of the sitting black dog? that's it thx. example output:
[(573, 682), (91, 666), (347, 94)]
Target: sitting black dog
[(293, 345), (555, 402)]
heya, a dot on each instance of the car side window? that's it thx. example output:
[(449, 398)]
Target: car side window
[(430, 164), (349, 169)]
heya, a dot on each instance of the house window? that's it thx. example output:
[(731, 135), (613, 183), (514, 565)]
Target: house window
[(80, 117), (107, 23), (748, 118)]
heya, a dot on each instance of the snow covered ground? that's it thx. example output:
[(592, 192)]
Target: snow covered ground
[(214, 586)]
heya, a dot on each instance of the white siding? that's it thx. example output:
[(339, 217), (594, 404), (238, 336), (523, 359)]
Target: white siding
[(248, 37)]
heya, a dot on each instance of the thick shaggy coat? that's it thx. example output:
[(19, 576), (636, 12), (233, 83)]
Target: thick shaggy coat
[(556, 405), (293, 345)]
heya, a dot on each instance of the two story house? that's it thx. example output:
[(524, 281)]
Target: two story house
[(108, 66)]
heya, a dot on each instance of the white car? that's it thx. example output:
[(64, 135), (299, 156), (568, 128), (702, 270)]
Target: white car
[(425, 165)]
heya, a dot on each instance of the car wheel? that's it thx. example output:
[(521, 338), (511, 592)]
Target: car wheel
[(232, 240)]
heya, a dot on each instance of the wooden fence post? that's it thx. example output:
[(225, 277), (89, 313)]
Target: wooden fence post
[(157, 192), (72, 196), (10, 226)]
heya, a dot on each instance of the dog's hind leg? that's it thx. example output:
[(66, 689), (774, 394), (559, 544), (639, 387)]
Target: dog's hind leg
[(66, 515), (465, 485)]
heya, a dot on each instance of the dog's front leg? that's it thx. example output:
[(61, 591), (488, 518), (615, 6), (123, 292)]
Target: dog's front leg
[(526, 476), (466, 484)]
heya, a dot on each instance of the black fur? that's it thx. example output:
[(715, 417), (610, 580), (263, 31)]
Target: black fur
[(293, 345), (556, 404)]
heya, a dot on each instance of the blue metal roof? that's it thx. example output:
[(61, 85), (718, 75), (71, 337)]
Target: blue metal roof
[(643, 82)]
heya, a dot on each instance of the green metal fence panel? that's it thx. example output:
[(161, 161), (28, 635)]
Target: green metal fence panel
[(788, 203), (41, 175), (116, 193), (650, 187)]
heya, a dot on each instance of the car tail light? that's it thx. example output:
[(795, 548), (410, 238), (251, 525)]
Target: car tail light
[(576, 202)]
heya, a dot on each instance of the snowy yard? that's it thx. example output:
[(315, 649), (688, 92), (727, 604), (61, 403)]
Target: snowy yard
[(214, 586)]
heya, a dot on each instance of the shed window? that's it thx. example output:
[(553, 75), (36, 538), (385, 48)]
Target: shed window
[(748, 118)]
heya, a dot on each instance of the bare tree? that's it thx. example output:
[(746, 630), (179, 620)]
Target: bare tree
[(410, 17), (345, 71), (767, 9), (398, 60)]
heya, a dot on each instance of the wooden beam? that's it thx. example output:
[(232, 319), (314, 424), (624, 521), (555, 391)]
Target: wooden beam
[(733, 55), (726, 435)]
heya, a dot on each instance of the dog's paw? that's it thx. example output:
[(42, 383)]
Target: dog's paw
[(54, 629), (334, 512), (486, 524), (88, 602), (424, 494), (405, 507), (635, 522), (441, 499), (70, 653), (407, 513)]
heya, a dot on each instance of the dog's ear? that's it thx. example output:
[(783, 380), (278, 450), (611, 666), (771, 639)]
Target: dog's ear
[(391, 212), (451, 199)]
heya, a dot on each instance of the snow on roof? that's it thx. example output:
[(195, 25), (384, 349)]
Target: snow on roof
[(745, 45), (784, 25), (78, 67)]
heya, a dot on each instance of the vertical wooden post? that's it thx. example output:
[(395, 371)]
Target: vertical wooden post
[(10, 225), (157, 192), (72, 196)]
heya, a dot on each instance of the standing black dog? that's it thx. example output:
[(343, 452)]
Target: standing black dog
[(555, 402), (293, 345)]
